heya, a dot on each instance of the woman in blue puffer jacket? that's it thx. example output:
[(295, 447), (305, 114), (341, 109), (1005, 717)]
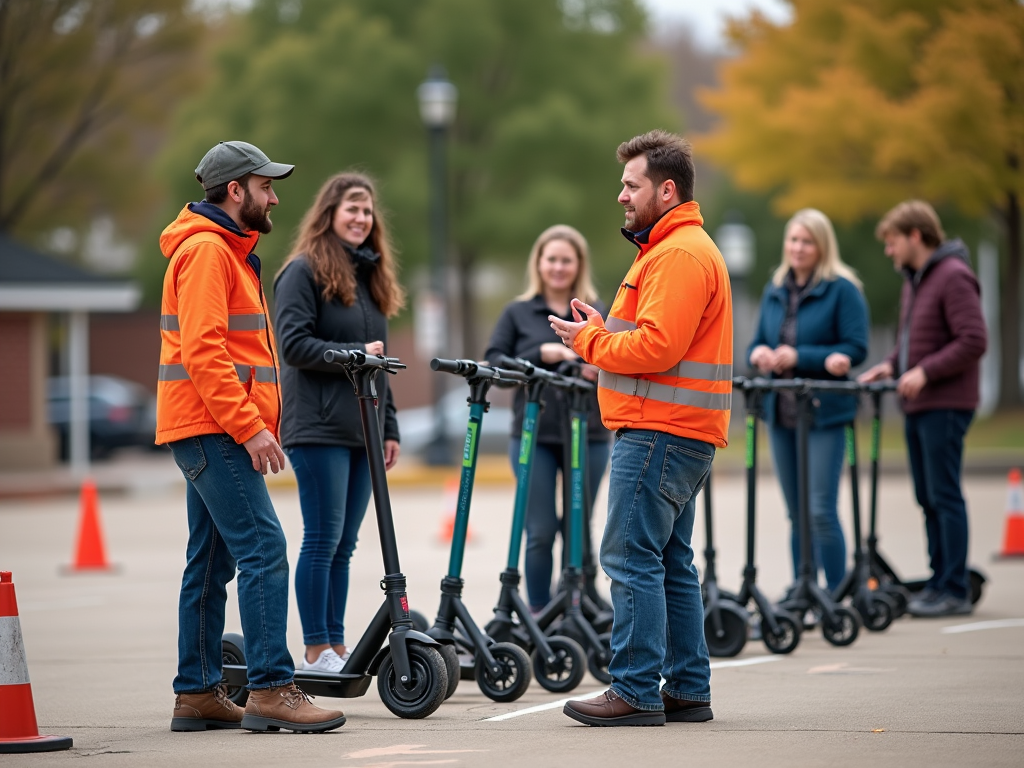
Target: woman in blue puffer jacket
[(813, 323)]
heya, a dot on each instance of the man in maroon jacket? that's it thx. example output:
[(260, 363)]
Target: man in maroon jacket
[(941, 339)]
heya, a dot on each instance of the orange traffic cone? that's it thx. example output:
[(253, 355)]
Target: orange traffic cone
[(451, 505), (1013, 535), (18, 729), (90, 551)]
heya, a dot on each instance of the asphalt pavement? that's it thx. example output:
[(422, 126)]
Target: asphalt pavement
[(101, 650)]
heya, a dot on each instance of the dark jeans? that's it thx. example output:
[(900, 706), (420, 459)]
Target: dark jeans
[(658, 629), (231, 521), (825, 460), (334, 489), (542, 521), (935, 445)]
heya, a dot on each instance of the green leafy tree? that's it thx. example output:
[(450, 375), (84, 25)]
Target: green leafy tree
[(84, 88), (855, 106), (547, 90)]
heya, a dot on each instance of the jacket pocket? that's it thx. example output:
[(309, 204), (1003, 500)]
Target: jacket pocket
[(683, 472), (189, 456)]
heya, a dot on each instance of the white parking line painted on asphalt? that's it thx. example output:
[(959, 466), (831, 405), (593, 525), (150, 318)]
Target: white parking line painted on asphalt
[(977, 626), (562, 702)]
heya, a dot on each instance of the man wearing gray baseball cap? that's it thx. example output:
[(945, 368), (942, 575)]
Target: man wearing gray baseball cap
[(218, 409)]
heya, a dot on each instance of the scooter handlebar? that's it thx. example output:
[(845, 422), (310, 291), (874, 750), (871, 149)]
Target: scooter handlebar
[(812, 385), (356, 358), (525, 367)]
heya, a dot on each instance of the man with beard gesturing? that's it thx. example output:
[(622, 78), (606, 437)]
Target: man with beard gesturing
[(219, 410), (665, 387)]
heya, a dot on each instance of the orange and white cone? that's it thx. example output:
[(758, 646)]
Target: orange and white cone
[(1013, 534), (18, 729)]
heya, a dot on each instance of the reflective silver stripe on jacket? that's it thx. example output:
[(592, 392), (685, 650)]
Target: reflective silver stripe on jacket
[(687, 369), (665, 393), (249, 322), (618, 325), (265, 374)]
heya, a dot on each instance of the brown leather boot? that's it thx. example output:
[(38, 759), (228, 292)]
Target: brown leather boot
[(609, 709), (682, 711), (271, 709), (204, 711)]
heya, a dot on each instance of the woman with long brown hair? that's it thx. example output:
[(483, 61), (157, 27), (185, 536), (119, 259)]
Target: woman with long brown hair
[(336, 290)]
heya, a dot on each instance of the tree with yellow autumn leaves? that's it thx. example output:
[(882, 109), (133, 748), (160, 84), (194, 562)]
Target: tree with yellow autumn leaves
[(854, 106)]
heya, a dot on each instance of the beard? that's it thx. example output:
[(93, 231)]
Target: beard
[(254, 217), (644, 217)]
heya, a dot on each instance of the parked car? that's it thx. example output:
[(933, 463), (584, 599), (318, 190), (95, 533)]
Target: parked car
[(416, 425), (121, 413)]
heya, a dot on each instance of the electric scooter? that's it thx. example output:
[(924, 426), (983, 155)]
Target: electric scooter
[(875, 607), (901, 591), (839, 624), (567, 604), (558, 662), (411, 674), (780, 630), (502, 670), (725, 621)]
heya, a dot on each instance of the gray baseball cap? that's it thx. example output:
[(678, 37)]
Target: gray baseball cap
[(231, 160)]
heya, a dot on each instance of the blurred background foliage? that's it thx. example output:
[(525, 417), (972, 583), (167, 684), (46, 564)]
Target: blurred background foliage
[(106, 107)]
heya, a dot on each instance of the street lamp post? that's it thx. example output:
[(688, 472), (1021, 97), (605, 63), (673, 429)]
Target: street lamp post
[(438, 98)]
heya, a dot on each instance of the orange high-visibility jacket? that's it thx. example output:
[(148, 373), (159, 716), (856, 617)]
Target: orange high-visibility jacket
[(218, 372), (665, 351)]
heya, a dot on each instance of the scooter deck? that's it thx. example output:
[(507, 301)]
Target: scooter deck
[(340, 686)]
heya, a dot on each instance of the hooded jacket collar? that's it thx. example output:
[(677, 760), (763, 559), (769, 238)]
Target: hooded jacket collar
[(684, 214), (955, 248), (206, 217)]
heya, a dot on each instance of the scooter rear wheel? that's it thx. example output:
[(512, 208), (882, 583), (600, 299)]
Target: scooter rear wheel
[(599, 666), (733, 630), (514, 678), (568, 668), (451, 664), (845, 628), (788, 637), (429, 683), (233, 652)]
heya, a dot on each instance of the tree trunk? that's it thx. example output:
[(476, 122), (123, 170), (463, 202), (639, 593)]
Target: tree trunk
[(1009, 309)]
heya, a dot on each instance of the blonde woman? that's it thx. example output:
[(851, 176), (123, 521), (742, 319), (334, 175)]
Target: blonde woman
[(558, 270), (813, 323)]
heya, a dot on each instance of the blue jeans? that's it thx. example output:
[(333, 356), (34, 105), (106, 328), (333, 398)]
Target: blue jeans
[(334, 489), (935, 445), (826, 449), (658, 629), (542, 521), (231, 521)]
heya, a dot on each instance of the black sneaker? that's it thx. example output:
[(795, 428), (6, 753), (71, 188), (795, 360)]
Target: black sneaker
[(943, 605)]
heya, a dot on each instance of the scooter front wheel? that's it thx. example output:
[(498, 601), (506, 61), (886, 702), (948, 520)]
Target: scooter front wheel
[(846, 627), (429, 683), (513, 679), (451, 663), (879, 615), (733, 636), (233, 652), (566, 671), (788, 636)]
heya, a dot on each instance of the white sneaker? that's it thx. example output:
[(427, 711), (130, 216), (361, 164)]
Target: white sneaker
[(327, 661)]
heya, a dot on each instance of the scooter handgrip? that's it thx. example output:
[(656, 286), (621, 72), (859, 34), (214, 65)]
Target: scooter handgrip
[(339, 356), (449, 366), (514, 364)]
